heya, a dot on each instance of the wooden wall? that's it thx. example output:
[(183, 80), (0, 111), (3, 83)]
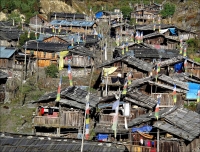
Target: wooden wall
[(54, 39), (157, 40), (167, 99), (6, 63)]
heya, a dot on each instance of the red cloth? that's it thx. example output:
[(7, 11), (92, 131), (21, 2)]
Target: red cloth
[(42, 111), (153, 150)]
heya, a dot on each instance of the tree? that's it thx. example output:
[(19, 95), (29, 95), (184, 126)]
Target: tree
[(168, 10), (51, 71), (126, 11)]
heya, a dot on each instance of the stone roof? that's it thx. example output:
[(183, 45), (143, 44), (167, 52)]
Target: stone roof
[(46, 46), (181, 122), (141, 99), (79, 95)]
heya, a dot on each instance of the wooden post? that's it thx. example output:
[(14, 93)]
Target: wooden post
[(158, 134), (130, 138)]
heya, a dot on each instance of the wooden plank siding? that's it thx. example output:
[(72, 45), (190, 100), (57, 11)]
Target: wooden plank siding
[(68, 119), (167, 99)]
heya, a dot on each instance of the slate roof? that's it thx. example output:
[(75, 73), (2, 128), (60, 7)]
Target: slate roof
[(149, 116), (9, 33), (74, 93), (154, 53), (142, 65), (141, 99), (138, 82), (3, 75), (169, 87), (6, 23), (111, 62), (6, 53), (172, 61), (81, 50), (47, 47), (132, 61), (75, 23), (184, 77), (11, 143), (72, 103), (181, 122), (171, 81), (68, 15), (79, 95)]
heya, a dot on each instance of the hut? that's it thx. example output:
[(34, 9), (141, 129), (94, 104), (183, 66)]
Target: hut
[(45, 53), (9, 36), (65, 117), (175, 129), (114, 73)]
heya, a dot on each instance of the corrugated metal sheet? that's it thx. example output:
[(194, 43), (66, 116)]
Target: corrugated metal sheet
[(72, 23), (54, 145), (6, 52)]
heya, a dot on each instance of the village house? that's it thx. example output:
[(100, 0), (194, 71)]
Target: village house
[(134, 105), (38, 21), (175, 128), (65, 116), (146, 14), (9, 36), (45, 53), (3, 79), (75, 26), (107, 16), (144, 52), (115, 72), (7, 57)]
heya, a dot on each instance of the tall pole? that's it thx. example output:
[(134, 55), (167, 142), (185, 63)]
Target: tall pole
[(25, 61), (87, 98), (158, 134), (37, 63)]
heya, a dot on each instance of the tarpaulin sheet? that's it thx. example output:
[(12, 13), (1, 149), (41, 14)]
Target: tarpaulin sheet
[(173, 31), (193, 90), (99, 14), (143, 129), (178, 67), (102, 136)]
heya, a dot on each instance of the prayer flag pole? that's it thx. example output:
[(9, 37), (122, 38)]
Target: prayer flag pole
[(86, 112)]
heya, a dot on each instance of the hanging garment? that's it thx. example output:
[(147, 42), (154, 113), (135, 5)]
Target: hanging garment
[(50, 111), (122, 80), (114, 79)]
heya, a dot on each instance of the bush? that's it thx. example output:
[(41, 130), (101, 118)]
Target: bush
[(168, 10), (51, 71)]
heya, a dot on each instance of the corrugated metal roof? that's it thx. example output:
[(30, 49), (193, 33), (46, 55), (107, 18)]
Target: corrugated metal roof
[(72, 23), (34, 143), (6, 52)]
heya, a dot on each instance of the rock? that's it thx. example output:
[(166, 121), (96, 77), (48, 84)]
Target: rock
[(3, 16)]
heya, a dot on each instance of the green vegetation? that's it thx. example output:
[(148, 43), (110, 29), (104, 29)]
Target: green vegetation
[(193, 47), (26, 7), (168, 10), (126, 11), (191, 106), (24, 37), (51, 71)]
